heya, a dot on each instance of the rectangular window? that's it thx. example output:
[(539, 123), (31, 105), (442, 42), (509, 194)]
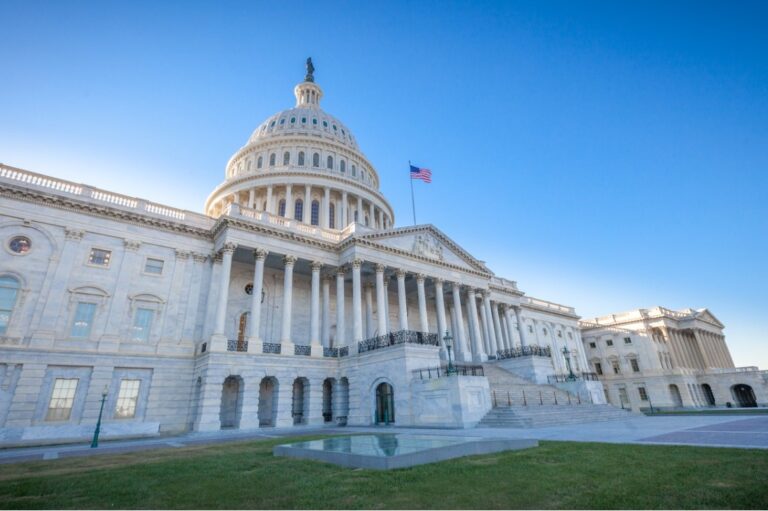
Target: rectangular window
[(592, 345), (530, 329), (598, 368), (635, 366), (627, 340), (616, 367), (127, 398), (142, 324), (643, 393), (99, 257), (154, 266), (62, 399), (83, 320), (609, 342)]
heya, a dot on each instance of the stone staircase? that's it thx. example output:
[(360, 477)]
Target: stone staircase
[(520, 403)]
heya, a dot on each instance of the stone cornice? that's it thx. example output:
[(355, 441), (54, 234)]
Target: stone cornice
[(99, 210), (226, 222)]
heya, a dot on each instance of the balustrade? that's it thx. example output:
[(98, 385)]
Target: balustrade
[(400, 337), (531, 350)]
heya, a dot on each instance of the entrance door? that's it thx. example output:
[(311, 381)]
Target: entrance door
[(385, 404), (708, 394), (228, 414), (677, 399), (744, 395)]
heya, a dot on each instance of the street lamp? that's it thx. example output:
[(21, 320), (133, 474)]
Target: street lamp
[(567, 352), (95, 441), (448, 339)]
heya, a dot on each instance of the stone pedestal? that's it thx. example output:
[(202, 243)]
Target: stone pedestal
[(535, 369), (450, 402)]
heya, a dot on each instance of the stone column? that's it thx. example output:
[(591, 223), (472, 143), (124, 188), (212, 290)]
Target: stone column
[(701, 345), (402, 304), (521, 328), (460, 342), (386, 303), (380, 297), (307, 210), (285, 331), (254, 342), (370, 329), (289, 201), (484, 326), (360, 212), (442, 326), (508, 312), (340, 323), (325, 330), (423, 320), (270, 208), (372, 214), (314, 311), (491, 327), (251, 197), (344, 210), (357, 314), (219, 338), (497, 326), (478, 353), (326, 208)]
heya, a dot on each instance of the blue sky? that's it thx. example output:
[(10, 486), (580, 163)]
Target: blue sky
[(605, 155)]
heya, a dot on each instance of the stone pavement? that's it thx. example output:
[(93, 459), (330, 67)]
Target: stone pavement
[(710, 431)]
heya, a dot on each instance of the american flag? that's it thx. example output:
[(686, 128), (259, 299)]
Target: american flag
[(421, 173)]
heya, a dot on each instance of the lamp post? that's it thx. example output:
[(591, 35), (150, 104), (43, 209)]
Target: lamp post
[(567, 352), (95, 441), (448, 339)]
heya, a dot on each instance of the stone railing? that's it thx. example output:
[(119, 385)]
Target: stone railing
[(271, 347), (254, 215), (550, 306), (43, 183), (235, 345), (394, 338), (302, 350), (561, 378), (532, 350)]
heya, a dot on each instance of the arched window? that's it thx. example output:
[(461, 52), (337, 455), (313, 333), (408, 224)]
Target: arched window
[(315, 160), (301, 158), (356, 215), (286, 158), (259, 162), (315, 218), (330, 162), (272, 160), (342, 166), (354, 170), (367, 220), (264, 206), (332, 216), (9, 291), (281, 208), (298, 210), (248, 165)]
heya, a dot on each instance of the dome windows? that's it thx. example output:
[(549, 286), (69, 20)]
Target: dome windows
[(298, 210), (293, 120), (301, 158), (325, 124), (281, 208), (314, 121), (272, 160), (332, 215), (286, 158), (272, 124), (259, 162), (342, 166), (315, 215), (315, 160), (329, 163), (303, 120), (334, 127), (354, 170), (282, 121)]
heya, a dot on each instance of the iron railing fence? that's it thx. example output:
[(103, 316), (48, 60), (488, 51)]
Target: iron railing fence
[(532, 350), (428, 373), (271, 347), (237, 345), (561, 378), (342, 351), (399, 337)]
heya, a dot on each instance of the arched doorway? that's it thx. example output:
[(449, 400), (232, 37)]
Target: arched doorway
[(744, 395), (677, 400), (231, 401), (268, 401), (328, 399), (708, 394), (300, 404), (385, 404)]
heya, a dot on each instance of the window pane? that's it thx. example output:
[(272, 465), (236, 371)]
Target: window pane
[(62, 398), (142, 324), (100, 257), (154, 266), (81, 325), (9, 289), (127, 398)]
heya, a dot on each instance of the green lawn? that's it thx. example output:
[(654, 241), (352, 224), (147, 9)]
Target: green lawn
[(246, 475)]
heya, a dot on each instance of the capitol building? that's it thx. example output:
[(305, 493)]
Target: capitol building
[(295, 299)]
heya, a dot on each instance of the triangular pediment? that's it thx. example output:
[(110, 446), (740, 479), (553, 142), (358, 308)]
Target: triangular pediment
[(426, 241), (705, 315)]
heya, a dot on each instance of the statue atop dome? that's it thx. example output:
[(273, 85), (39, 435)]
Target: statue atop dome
[(310, 71)]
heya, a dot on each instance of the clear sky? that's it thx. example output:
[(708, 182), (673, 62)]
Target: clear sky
[(605, 155)]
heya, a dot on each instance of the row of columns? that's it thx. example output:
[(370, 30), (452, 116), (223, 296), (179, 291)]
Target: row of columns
[(491, 325), (698, 349), (343, 213)]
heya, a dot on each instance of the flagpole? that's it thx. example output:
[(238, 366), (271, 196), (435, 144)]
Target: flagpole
[(413, 201)]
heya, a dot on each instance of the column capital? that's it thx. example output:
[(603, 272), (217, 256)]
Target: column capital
[(380, 268), (260, 254), (316, 265), (401, 273), (357, 263), (131, 245), (199, 258), (182, 254), (228, 247), (341, 271), (289, 260), (438, 281), (420, 277)]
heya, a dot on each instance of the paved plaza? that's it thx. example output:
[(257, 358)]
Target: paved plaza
[(708, 431)]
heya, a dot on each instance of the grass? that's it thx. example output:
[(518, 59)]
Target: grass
[(555, 475)]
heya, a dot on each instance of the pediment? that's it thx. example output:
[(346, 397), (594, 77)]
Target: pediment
[(426, 241), (705, 315)]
